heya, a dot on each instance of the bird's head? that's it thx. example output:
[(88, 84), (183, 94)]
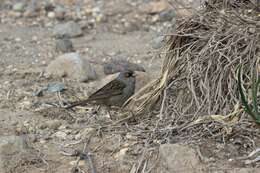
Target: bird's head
[(127, 76), (128, 73)]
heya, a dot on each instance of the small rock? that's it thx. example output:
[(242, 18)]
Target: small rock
[(18, 39), (80, 163), (73, 66), (35, 38), (121, 154), (95, 11), (51, 15), (77, 136), (64, 45), (15, 14), (63, 127), (252, 30), (53, 124), (101, 18), (19, 7), (178, 158), (43, 141), (52, 88), (60, 134), (155, 18), (69, 29), (115, 66), (55, 87)]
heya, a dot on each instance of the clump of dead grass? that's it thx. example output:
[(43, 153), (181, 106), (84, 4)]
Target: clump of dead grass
[(197, 89), (201, 58)]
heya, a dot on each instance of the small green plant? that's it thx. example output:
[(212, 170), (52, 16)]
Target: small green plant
[(251, 109)]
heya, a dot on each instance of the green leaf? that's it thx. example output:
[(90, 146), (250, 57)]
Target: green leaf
[(243, 97), (254, 93)]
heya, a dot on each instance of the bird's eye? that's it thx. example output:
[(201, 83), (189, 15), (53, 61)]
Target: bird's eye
[(128, 74)]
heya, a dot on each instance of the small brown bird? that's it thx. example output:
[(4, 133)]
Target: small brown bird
[(115, 93)]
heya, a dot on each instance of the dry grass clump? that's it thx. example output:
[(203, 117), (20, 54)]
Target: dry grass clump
[(202, 55), (198, 87)]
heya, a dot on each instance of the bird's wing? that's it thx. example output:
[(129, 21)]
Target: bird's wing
[(113, 88)]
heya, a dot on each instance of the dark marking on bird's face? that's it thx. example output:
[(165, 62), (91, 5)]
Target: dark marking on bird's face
[(129, 73)]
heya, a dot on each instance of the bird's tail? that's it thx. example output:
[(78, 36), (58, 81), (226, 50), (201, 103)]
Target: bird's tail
[(78, 103)]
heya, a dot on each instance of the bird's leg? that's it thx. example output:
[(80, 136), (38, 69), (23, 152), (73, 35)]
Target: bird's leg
[(61, 101), (97, 108), (109, 113)]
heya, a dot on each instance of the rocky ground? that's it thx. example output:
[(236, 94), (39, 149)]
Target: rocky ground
[(53, 52)]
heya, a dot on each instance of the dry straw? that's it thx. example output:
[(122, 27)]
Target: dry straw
[(198, 75)]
